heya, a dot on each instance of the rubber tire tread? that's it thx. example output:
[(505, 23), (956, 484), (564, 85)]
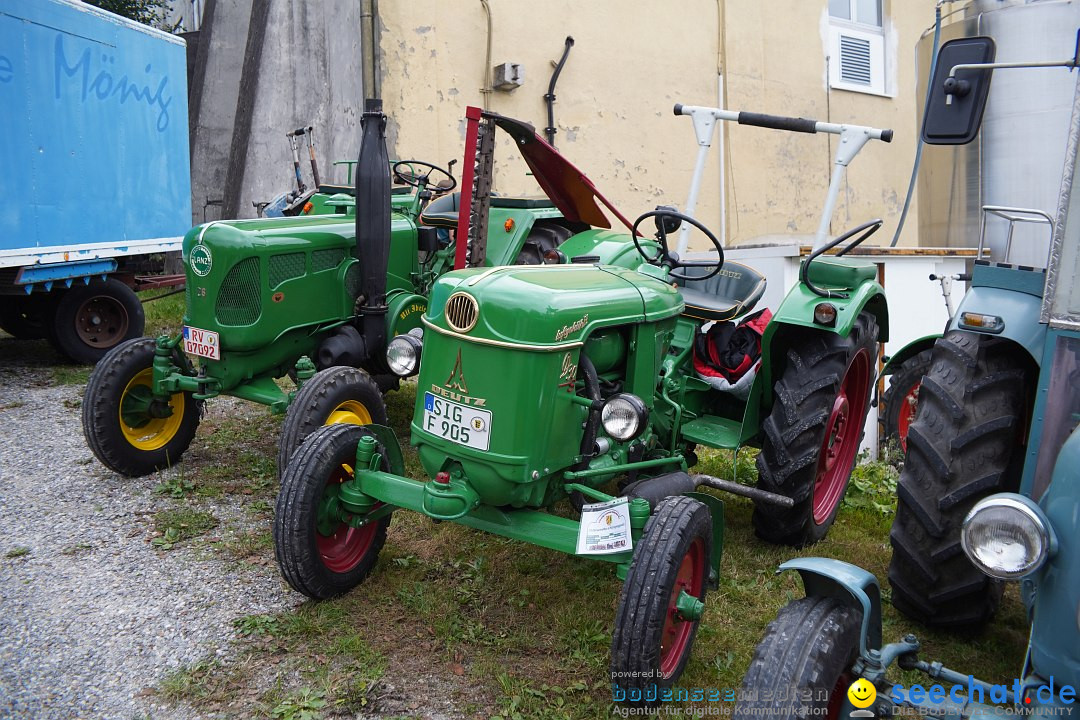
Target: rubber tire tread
[(101, 413), (965, 444), (643, 603), (795, 429), (910, 372), (26, 317), (65, 338), (301, 490), (318, 397), (808, 646)]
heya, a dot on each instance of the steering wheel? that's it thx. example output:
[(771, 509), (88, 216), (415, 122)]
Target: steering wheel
[(669, 221), (404, 172), (867, 229)]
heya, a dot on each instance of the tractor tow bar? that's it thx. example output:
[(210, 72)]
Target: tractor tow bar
[(744, 490)]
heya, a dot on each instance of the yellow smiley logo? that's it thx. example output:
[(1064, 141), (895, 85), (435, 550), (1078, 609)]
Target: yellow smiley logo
[(862, 693)]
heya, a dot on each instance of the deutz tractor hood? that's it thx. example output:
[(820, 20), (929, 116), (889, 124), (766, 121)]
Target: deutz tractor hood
[(546, 305)]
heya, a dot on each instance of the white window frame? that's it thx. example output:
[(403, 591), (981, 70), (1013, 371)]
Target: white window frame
[(875, 37)]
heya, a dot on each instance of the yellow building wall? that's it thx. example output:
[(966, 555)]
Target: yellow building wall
[(631, 62)]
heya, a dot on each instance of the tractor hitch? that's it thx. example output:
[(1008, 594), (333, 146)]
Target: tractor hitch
[(744, 490)]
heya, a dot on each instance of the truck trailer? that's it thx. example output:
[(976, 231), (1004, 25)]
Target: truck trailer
[(96, 183)]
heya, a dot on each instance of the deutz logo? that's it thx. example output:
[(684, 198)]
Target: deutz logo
[(200, 260), (458, 390)]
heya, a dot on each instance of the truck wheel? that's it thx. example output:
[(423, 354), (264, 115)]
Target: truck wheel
[(126, 428), (652, 639), (26, 316), (965, 444), (92, 319), (317, 556), (902, 398), (813, 433), (806, 651), (332, 396)]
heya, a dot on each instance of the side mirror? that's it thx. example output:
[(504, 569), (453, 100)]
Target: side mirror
[(957, 100)]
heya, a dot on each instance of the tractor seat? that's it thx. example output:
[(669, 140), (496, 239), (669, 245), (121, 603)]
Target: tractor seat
[(834, 272), (442, 212), (732, 292)]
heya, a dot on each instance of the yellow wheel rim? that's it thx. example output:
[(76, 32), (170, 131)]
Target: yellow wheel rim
[(153, 433), (350, 412)]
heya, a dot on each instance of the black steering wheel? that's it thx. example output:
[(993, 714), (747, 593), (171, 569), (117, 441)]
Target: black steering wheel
[(867, 229), (405, 173), (668, 221)]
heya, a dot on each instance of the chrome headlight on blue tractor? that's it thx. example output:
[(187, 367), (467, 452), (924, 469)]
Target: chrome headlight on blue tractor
[(1007, 536)]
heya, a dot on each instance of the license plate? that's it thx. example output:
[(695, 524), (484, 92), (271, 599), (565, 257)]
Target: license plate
[(457, 423), (203, 343)]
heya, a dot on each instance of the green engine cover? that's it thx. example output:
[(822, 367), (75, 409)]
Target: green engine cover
[(268, 286), (501, 353)]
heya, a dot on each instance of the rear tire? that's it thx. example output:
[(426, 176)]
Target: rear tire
[(813, 433), (92, 319), (808, 648), (26, 317), (901, 400), (119, 429), (651, 643), (965, 444), (317, 562), (332, 396)]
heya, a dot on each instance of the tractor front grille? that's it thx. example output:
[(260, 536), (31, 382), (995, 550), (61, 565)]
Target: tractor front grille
[(238, 299), (461, 312), (353, 280), (285, 267)]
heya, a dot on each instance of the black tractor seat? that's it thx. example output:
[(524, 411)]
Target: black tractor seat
[(442, 212), (732, 292)]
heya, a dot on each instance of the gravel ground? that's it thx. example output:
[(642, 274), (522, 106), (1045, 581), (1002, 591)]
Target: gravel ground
[(93, 615)]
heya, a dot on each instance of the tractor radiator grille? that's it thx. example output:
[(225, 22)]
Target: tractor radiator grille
[(326, 259), (461, 312), (352, 280), (285, 267), (238, 299)]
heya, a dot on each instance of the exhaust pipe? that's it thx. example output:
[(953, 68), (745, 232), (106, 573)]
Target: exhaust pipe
[(373, 231)]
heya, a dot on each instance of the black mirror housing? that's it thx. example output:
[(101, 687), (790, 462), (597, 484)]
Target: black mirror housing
[(956, 102)]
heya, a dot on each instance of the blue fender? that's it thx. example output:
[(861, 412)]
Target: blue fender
[(1019, 310), (825, 577)]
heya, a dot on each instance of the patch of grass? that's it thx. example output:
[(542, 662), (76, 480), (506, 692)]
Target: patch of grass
[(17, 552), (206, 681), (164, 315), (177, 525), (72, 374), (304, 704)]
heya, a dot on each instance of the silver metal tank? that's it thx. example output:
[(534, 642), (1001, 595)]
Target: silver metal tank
[(1017, 158)]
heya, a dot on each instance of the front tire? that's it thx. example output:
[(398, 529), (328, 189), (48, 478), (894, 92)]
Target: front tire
[(129, 430), (806, 652), (965, 444), (319, 557), (336, 395), (92, 319), (813, 433), (652, 641)]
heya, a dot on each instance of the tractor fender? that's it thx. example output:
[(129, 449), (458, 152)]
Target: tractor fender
[(403, 313), (1019, 311), (910, 350), (825, 577), (388, 439)]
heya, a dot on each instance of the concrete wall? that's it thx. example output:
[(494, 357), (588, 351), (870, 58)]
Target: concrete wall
[(632, 61), (305, 71)]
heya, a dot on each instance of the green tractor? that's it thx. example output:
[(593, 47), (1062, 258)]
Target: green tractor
[(263, 296), (545, 383)]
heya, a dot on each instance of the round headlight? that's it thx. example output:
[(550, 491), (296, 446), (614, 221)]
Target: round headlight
[(1005, 538), (624, 416), (403, 355)]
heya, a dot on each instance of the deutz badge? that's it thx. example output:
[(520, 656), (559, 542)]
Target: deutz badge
[(456, 381)]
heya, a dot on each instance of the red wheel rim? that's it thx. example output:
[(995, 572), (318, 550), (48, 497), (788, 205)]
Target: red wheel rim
[(675, 638), (343, 551), (842, 433), (101, 321), (908, 404)]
